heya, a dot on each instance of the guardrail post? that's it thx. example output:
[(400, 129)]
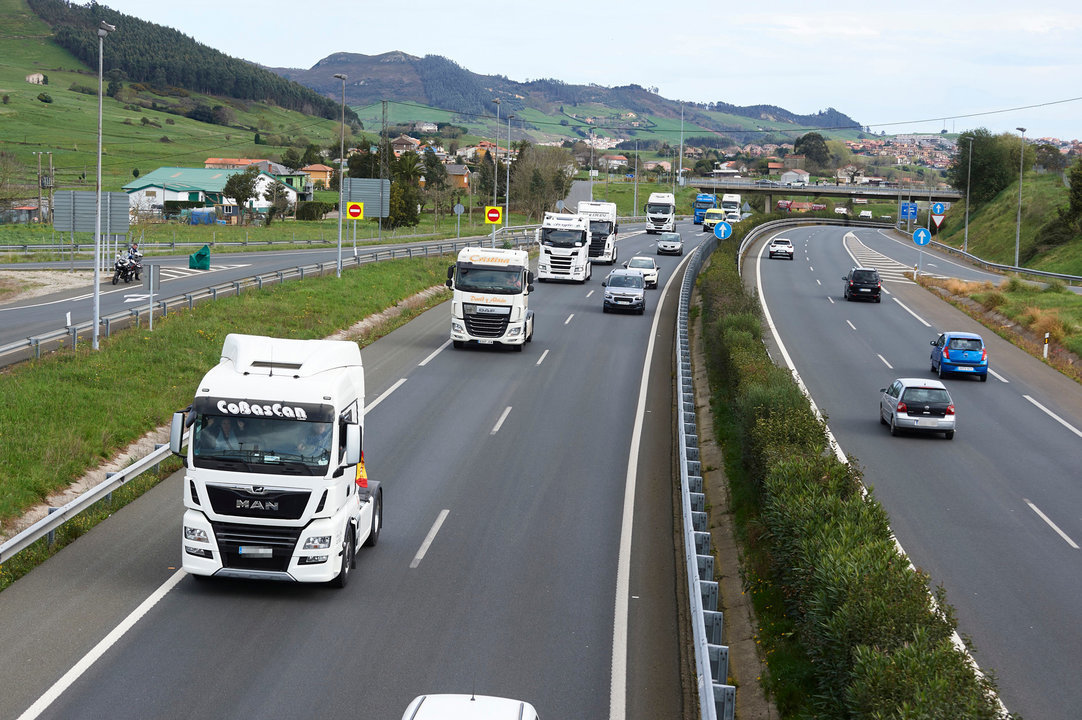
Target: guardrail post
[(135, 314), (164, 306), (191, 300), (36, 344), (236, 285), (109, 495), (214, 293), (51, 537), (74, 332)]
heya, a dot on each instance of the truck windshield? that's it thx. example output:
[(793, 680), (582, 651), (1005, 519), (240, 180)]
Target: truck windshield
[(600, 227), (658, 209), (489, 280), (704, 204), (562, 238), (273, 445)]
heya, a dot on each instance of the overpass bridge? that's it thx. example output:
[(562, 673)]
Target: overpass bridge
[(872, 193)]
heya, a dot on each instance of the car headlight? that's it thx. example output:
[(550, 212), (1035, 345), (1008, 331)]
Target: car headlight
[(317, 542), (195, 534)]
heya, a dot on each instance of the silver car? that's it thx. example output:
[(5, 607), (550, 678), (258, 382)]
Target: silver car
[(624, 290), (646, 266), (670, 243), (919, 405)]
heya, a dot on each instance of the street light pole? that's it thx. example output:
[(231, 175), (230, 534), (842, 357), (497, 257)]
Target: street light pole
[(1018, 221), (103, 30), (341, 171), (496, 165), (969, 174), (507, 184)]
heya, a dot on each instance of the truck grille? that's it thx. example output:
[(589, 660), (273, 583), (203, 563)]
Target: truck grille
[(487, 326), (597, 247), (280, 540), (560, 264), (273, 504)]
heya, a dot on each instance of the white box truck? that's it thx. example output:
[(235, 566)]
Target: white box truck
[(660, 213), (274, 483), (490, 305), (603, 230), (730, 203), (565, 248)]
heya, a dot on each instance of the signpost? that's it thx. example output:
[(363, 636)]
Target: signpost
[(355, 210), (493, 217), (459, 209), (921, 236), (938, 210)]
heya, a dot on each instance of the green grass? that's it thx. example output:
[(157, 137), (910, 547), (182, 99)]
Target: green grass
[(77, 389)]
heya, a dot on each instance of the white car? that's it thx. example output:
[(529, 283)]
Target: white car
[(468, 707), (646, 266), (669, 243), (782, 247), (917, 404)]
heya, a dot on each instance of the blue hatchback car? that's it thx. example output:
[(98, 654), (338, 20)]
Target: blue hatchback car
[(960, 352)]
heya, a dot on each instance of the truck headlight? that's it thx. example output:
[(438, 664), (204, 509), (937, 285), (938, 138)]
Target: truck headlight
[(317, 542), (195, 535), (457, 327), (513, 332)]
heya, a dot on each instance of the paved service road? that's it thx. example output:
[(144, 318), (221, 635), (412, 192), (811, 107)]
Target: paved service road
[(514, 464), (992, 515)]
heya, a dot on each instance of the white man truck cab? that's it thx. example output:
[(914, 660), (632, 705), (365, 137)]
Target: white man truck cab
[(660, 213), (603, 230), (490, 304), (730, 203), (565, 248), (275, 485)]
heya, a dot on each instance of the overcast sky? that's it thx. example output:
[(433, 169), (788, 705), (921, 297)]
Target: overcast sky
[(887, 65)]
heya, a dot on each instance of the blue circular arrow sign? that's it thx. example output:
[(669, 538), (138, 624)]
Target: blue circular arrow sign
[(723, 230), (921, 236), (938, 209)]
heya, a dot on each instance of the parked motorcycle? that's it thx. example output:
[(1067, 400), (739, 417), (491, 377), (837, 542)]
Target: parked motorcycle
[(125, 268)]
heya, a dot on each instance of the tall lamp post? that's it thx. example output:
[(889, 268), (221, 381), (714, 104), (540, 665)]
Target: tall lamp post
[(507, 176), (969, 174), (341, 171), (1018, 221), (496, 165), (103, 30)]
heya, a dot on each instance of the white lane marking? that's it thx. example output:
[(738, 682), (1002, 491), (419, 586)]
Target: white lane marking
[(568, 320), (618, 678), (884, 361), (429, 538), (499, 423), (918, 317), (50, 695), (1051, 524), (371, 406), (1055, 417), (997, 376), (830, 299), (435, 352), (542, 358), (850, 324), (590, 294), (811, 268), (818, 282)]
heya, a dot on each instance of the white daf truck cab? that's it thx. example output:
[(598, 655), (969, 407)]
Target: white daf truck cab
[(565, 248), (490, 305), (660, 213), (603, 229), (730, 203), (275, 485)]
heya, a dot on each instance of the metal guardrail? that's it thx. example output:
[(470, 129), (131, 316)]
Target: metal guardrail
[(34, 345), (716, 699)]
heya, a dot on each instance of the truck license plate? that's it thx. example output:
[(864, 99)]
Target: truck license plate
[(484, 342), (255, 551)]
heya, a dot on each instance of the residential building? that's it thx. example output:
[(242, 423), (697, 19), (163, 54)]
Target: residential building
[(320, 174), (148, 194)]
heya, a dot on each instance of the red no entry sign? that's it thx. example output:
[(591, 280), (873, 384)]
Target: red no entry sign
[(355, 210), (493, 214)]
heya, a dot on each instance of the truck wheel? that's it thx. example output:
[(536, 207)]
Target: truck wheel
[(348, 558), (518, 348), (377, 521), (457, 344)]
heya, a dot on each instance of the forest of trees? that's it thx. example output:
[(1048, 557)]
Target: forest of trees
[(162, 57)]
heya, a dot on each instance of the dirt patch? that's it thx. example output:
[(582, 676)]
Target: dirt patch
[(22, 284)]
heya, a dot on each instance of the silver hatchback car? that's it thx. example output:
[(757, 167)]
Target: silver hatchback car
[(919, 405)]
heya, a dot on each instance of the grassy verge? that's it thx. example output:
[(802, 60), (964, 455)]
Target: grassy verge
[(846, 626), (60, 415)]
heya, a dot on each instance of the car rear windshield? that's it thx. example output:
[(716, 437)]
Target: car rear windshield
[(965, 344), (865, 276), (925, 395)]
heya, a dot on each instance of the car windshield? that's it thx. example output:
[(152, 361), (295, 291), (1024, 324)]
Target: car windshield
[(644, 263), (489, 280), (669, 237), (276, 445), (627, 281), (965, 344), (925, 395)]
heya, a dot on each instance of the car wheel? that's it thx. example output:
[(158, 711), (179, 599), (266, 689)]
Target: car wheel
[(878, 299), (931, 363), (348, 558), (881, 420), (984, 378), (893, 426), (939, 372), (377, 521), (949, 434)]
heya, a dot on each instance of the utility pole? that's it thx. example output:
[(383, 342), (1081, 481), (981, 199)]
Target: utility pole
[(382, 165), (41, 217)]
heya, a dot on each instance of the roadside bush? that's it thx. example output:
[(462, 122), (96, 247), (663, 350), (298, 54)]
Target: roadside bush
[(84, 89), (313, 210), (45, 97)]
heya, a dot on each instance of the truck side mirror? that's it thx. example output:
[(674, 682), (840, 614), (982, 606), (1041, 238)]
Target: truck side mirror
[(353, 444), (537, 235), (176, 433)]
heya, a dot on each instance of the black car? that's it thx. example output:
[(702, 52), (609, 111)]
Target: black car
[(863, 283)]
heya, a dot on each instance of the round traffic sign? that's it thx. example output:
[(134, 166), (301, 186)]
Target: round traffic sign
[(921, 236), (723, 230), (355, 210), (493, 214), (938, 208), (459, 209)]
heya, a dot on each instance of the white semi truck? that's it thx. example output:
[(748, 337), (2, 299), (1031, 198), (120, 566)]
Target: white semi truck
[(565, 248), (660, 213), (274, 483), (730, 203), (490, 305), (603, 230)]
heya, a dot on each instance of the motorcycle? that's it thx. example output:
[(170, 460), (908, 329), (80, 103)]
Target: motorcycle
[(125, 268)]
